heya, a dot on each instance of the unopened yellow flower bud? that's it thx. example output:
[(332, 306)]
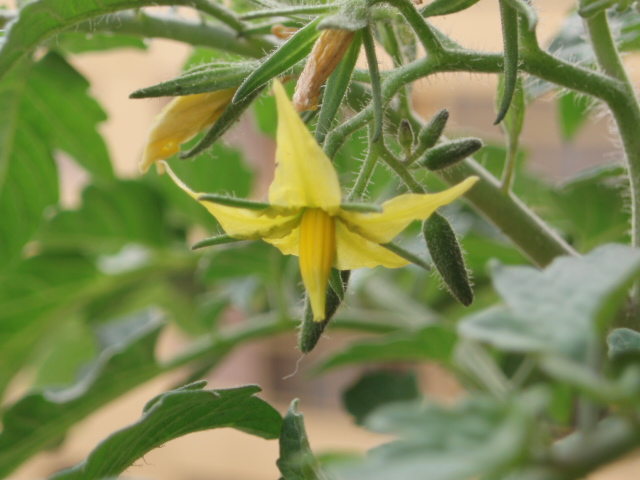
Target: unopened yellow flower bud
[(323, 60), (181, 120)]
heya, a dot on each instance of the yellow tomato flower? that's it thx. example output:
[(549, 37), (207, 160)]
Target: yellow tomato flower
[(181, 120), (305, 217)]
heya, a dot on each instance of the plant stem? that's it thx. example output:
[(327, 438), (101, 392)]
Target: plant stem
[(176, 28), (626, 110), (510, 165)]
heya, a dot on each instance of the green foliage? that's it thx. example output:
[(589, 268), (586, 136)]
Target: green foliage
[(561, 309), (174, 414), (377, 388), (296, 461)]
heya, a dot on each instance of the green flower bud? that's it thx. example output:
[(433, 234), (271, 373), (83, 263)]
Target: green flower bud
[(431, 132), (405, 136), (450, 153), (447, 257)]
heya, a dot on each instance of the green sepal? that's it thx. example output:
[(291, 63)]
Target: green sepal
[(291, 52), (212, 241), (448, 154), (407, 255), (361, 207), (228, 119), (232, 201), (526, 10), (446, 7), (405, 136), (447, 257), (429, 134), (310, 330), (376, 90), (510, 39), (288, 11), (202, 79), (335, 282), (336, 88), (353, 16)]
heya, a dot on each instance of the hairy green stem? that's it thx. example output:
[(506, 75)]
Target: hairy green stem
[(222, 13), (625, 109), (176, 28)]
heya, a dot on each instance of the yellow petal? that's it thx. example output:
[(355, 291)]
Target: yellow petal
[(354, 251), (288, 244), (317, 253), (304, 175), (243, 223), (400, 211), (181, 120)]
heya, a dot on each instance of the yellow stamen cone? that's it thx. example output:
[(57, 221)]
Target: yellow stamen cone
[(317, 254)]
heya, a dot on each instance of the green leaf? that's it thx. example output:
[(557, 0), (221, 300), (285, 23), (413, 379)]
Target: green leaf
[(430, 343), (559, 309), (39, 419), (110, 217), (200, 79), (297, 47), (477, 438), (241, 260), (592, 208), (172, 415), (510, 27), (36, 297), (28, 174), (623, 342), (573, 112), (296, 461), (377, 388), (225, 173), (41, 19), (47, 102), (446, 7), (68, 348), (70, 114)]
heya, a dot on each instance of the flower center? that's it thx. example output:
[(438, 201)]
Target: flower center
[(317, 254)]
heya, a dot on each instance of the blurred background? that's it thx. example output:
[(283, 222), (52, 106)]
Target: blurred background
[(276, 364)]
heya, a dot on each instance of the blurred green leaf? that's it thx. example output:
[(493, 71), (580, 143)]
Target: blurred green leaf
[(28, 175), (39, 419), (225, 173), (430, 343), (111, 216), (68, 348), (446, 7), (69, 114), (240, 260), (573, 112), (592, 207), (477, 438), (296, 461), (36, 297), (36, 22), (623, 342), (172, 415), (559, 309), (47, 102), (377, 388)]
